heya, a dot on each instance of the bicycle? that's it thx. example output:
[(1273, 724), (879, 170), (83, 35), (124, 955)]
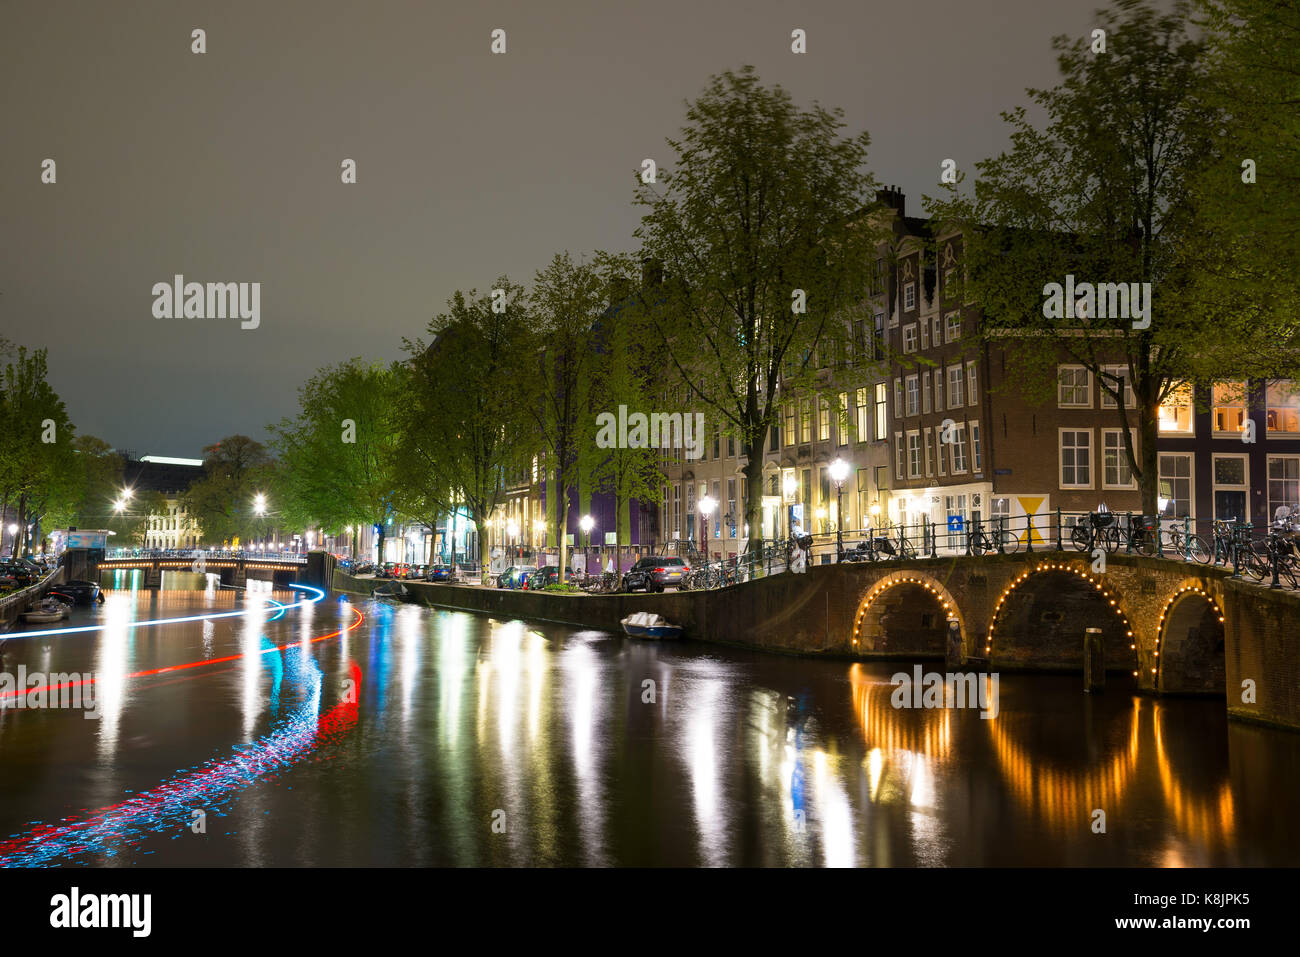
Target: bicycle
[(1099, 531), (1186, 545), (1279, 548), (983, 544)]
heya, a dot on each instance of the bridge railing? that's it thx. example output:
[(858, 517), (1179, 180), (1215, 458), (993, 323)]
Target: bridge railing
[(178, 554), (1263, 553)]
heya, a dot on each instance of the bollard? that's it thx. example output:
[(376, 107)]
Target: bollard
[(955, 658), (1094, 661), (1059, 546)]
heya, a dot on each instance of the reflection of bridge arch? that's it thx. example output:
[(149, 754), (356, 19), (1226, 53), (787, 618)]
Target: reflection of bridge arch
[(1184, 621), (925, 731), (1209, 821), (1079, 570), (1062, 798), (868, 622)]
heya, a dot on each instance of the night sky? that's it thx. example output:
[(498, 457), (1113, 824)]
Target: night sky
[(225, 167)]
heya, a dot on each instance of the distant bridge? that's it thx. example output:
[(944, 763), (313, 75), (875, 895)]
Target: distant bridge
[(234, 570)]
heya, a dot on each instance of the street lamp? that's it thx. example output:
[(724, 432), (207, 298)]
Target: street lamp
[(706, 506), (13, 538), (586, 523), (839, 471), (539, 535), (512, 531)]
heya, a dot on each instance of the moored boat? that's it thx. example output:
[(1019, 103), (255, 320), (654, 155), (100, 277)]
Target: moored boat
[(47, 610), (644, 624)]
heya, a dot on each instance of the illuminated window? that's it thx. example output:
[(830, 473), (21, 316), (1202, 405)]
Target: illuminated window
[(1176, 411), (864, 415), (1283, 407), (880, 413), (1283, 483), (1228, 402), (823, 421)]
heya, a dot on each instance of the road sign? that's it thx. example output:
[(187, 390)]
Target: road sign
[(955, 523)]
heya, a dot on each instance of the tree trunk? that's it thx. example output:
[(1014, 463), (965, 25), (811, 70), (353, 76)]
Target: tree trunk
[(1148, 434), (484, 549), (754, 500)]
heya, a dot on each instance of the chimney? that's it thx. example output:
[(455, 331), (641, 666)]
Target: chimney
[(893, 198)]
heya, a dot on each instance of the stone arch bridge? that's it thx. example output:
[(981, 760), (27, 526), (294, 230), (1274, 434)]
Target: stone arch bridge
[(1167, 626)]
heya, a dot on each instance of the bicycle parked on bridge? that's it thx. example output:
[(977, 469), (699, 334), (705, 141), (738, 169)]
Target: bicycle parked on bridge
[(1278, 548), (982, 543), (1186, 544)]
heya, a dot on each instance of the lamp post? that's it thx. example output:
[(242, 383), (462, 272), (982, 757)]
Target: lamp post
[(586, 523), (839, 471), (706, 505), (13, 538), (539, 536), (512, 532)]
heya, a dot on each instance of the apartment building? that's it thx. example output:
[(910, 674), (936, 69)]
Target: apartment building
[(1231, 451)]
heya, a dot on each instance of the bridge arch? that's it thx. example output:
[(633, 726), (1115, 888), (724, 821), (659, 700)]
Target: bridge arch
[(1190, 643), (1058, 634), (878, 626)]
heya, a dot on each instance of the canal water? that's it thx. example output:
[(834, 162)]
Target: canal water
[(357, 733)]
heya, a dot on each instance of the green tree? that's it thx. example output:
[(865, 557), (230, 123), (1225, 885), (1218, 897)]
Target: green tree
[(566, 302), (1247, 194), (222, 502), (626, 375), (461, 425), (335, 456), (763, 230), (35, 443), (1100, 192)]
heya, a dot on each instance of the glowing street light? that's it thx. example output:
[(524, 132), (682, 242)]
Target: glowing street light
[(259, 504), (839, 471)]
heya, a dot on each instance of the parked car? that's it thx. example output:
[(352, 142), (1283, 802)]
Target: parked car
[(515, 576), (442, 573), (78, 592), (550, 575), (655, 573)]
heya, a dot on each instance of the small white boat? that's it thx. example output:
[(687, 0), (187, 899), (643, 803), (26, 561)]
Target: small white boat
[(646, 624), (47, 610), (392, 590)]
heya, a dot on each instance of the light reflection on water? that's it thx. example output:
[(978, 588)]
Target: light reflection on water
[(456, 739)]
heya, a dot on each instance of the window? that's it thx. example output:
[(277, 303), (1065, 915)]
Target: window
[(1228, 401), (909, 296), (909, 338), (844, 418), (925, 334), (913, 396), (938, 390), (879, 345), (1117, 471), (717, 445), (972, 391), (775, 438), (864, 413), (1073, 387), (731, 446), (954, 326), (934, 332), (823, 420), (925, 392), (1283, 483), (864, 497), (880, 412), (929, 456), (1231, 474), (955, 394), (1176, 411), (805, 420), (900, 453), (913, 454), (898, 398), (1283, 407), (1113, 376), (789, 440), (1076, 458), (976, 451), (731, 506), (959, 449), (940, 450)]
